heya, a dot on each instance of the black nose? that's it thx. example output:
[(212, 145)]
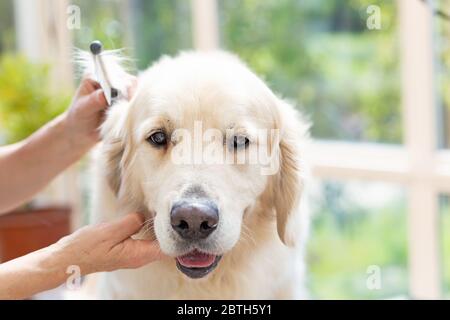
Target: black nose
[(194, 220)]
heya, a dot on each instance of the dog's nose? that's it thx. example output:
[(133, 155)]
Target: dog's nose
[(194, 220)]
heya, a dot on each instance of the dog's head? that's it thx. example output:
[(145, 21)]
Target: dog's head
[(201, 144)]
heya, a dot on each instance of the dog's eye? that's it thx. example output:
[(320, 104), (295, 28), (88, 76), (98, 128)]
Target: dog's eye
[(240, 142), (158, 139)]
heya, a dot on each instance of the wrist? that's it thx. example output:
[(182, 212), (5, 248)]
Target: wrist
[(54, 263), (77, 142), (67, 258)]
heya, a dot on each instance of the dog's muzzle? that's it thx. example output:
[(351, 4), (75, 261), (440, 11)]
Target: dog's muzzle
[(195, 220)]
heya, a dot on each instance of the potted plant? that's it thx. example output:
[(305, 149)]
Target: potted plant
[(27, 103)]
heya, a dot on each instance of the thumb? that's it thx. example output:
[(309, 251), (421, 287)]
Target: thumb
[(125, 227), (95, 101)]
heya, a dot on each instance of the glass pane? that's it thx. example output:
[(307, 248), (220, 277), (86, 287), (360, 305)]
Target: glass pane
[(103, 20), (443, 64), (7, 30), (445, 231), (322, 55), (150, 28), (160, 27), (358, 242)]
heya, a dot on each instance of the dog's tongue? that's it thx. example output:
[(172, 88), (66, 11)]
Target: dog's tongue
[(196, 259)]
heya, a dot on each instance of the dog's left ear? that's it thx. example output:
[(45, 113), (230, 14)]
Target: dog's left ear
[(287, 183)]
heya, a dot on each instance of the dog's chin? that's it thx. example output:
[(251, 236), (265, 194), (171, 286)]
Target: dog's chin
[(196, 264)]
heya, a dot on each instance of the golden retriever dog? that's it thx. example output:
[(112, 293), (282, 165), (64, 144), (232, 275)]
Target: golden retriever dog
[(213, 158)]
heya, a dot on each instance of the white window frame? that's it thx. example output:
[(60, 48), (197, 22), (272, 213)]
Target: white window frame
[(417, 165)]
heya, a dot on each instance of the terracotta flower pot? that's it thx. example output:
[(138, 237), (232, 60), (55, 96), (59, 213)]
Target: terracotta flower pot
[(25, 231)]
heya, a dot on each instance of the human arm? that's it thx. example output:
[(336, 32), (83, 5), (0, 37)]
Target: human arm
[(97, 248)]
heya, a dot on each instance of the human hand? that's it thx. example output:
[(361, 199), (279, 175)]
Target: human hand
[(107, 247), (86, 113)]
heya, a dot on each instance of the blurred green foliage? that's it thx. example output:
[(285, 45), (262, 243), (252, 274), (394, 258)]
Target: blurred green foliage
[(347, 238), (7, 31), (102, 20), (26, 99), (150, 28), (160, 27), (445, 238), (443, 67), (321, 54)]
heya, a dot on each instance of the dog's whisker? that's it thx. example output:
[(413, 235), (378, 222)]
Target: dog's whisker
[(217, 243), (246, 238), (246, 232)]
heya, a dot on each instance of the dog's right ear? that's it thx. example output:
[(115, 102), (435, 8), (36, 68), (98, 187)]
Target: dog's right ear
[(114, 129), (116, 145)]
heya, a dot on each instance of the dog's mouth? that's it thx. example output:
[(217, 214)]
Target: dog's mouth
[(196, 264)]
